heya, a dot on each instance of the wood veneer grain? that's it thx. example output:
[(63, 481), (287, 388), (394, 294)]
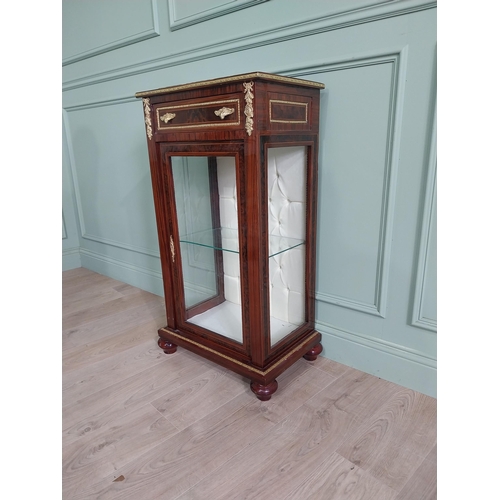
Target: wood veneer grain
[(115, 322), (98, 409), (96, 456), (423, 483), (275, 466), (83, 382), (337, 478), (101, 310), (394, 441), (81, 356), (193, 400), (185, 458)]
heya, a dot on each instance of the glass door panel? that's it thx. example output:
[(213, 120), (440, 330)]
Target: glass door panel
[(286, 173), (207, 217)]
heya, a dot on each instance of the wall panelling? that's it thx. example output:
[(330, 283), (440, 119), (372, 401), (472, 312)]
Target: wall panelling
[(376, 300)]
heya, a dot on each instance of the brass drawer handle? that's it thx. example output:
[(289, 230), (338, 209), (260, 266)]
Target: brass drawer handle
[(223, 112), (167, 117)]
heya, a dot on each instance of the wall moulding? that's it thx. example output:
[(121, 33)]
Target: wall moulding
[(356, 305), (74, 179), (279, 34), (138, 35), (397, 363), (64, 233), (72, 167), (118, 244), (400, 351), (211, 9), (418, 318), (147, 279), (71, 258), (398, 61), (100, 104)]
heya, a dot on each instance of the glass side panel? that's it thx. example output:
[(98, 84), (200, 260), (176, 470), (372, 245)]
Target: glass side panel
[(286, 170), (205, 198)]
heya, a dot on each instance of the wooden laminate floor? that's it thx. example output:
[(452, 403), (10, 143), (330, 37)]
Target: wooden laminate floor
[(139, 424)]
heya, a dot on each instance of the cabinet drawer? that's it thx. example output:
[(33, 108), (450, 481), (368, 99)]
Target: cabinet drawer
[(289, 111), (197, 115)]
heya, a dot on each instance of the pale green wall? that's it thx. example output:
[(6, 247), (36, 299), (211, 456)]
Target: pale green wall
[(376, 289)]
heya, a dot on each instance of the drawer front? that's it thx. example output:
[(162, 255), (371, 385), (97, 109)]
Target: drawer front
[(215, 113), (289, 111)]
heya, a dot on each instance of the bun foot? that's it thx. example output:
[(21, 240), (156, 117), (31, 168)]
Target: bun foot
[(168, 347), (264, 392), (313, 353)]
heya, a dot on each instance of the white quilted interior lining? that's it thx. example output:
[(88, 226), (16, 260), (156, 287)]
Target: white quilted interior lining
[(286, 209), (286, 217)]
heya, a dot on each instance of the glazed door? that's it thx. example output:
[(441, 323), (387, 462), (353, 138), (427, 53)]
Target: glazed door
[(205, 241)]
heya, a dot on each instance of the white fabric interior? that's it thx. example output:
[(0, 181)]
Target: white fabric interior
[(286, 217), (286, 209), (228, 206), (224, 319)]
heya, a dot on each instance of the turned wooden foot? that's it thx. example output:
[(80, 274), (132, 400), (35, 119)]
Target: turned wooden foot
[(168, 347), (313, 353), (264, 392)]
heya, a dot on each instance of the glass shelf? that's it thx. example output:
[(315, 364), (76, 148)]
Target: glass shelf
[(226, 239)]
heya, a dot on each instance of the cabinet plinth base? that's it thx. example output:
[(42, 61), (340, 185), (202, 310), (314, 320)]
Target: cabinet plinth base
[(263, 379), (264, 392), (168, 347), (313, 353)]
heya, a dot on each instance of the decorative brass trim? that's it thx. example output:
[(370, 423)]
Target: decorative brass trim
[(172, 248), (290, 103), (167, 117), (223, 112), (235, 121), (249, 107), (236, 78), (248, 367), (147, 118)]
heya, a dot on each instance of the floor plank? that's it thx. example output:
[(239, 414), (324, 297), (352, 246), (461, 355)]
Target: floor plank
[(117, 322), (139, 424), (200, 396), (83, 355), (337, 478), (186, 458), (276, 465), (423, 483), (83, 381), (104, 309), (125, 439), (78, 281), (90, 299), (393, 443), (96, 410)]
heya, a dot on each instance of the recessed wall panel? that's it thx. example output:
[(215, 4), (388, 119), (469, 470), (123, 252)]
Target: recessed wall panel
[(429, 299), (425, 303), (182, 13), (92, 27), (112, 176), (354, 181)]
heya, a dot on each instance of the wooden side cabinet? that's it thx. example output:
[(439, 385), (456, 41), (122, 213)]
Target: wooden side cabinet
[(234, 172)]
